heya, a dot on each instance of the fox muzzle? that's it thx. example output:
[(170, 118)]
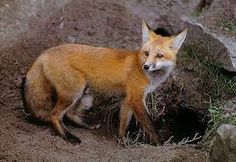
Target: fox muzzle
[(148, 67)]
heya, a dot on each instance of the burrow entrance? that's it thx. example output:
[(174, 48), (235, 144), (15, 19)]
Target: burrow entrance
[(182, 124)]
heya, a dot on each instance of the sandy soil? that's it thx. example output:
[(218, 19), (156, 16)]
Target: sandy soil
[(91, 22)]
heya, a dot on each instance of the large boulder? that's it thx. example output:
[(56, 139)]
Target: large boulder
[(212, 33)]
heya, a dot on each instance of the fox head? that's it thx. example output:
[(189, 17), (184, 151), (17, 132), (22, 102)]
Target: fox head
[(159, 53)]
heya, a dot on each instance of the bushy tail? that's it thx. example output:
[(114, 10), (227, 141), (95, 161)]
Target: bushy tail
[(37, 93), (22, 90)]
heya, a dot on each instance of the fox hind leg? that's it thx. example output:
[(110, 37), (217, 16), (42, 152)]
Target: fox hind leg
[(57, 121), (61, 108), (76, 115)]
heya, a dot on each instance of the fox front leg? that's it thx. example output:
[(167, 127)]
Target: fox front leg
[(125, 117), (142, 116)]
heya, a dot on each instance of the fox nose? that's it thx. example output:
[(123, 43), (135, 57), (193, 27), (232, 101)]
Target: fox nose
[(146, 67)]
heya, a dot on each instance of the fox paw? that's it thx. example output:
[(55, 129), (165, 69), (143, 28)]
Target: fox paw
[(72, 138), (123, 142)]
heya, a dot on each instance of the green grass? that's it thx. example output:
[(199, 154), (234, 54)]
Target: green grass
[(228, 25), (195, 13), (218, 117)]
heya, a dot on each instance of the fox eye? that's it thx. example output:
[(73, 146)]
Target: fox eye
[(159, 55), (146, 53)]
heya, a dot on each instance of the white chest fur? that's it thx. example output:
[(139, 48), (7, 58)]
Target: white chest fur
[(155, 81), (151, 87)]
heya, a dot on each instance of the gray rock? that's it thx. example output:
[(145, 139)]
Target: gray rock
[(213, 34), (224, 144), (215, 47)]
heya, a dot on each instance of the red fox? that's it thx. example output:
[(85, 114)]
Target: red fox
[(63, 79)]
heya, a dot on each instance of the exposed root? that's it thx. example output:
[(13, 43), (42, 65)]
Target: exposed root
[(187, 140), (167, 142)]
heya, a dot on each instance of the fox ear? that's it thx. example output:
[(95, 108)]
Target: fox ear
[(147, 33), (177, 41)]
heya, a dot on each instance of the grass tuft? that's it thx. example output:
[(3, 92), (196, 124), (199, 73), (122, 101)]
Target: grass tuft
[(195, 14), (217, 117), (228, 25)]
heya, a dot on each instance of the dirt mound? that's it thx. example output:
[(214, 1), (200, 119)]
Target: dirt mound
[(102, 23)]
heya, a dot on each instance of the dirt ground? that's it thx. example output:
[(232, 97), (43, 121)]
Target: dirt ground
[(99, 23)]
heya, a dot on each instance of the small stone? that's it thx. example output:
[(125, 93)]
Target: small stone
[(71, 39), (61, 26), (224, 144)]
